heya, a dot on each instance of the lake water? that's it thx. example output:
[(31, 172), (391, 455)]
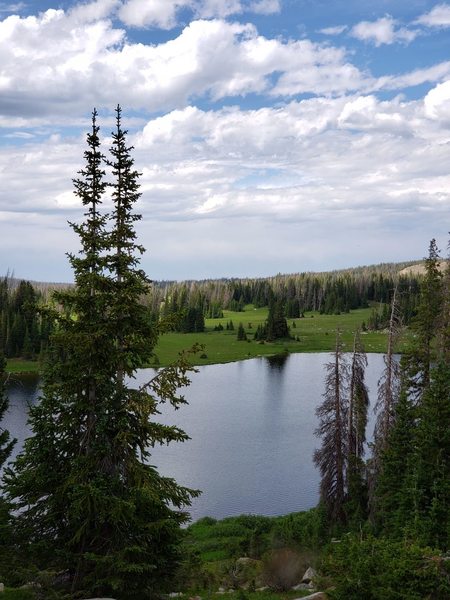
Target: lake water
[(252, 432)]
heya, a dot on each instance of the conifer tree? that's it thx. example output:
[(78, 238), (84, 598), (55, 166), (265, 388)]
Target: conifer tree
[(6, 446), (333, 431), (388, 393), (88, 502), (418, 359), (443, 341), (241, 335), (393, 502), (357, 422), (432, 461)]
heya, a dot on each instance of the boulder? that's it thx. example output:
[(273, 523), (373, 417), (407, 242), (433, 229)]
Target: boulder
[(2, 587), (316, 596), (303, 586), (309, 575)]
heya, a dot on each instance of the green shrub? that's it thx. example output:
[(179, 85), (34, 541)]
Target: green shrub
[(379, 569)]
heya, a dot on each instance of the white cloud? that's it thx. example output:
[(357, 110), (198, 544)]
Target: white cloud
[(439, 16), (437, 102), (337, 30), (431, 74), (58, 63), (12, 8), (218, 8), (382, 31), (265, 7), (93, 11), (164, 13), (152, 13), (350, 163)]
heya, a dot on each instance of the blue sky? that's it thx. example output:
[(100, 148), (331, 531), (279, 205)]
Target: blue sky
[(272, 135)]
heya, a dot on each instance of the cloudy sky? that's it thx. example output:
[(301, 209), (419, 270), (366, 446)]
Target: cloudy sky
[(272, 135)]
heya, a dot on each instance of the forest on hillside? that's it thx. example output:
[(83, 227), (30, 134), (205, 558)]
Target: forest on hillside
[(25, 326)]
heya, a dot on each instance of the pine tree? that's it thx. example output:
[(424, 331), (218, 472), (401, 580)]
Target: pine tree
[(333, 431), (6, 446), (419, 357), (357, 422), (388, 393), (432, 464), (88, 502), (241, 335), (393, 503), (276, 324)]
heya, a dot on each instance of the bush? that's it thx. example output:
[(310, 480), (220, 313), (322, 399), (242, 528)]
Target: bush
[(283, 569), (380, 569)]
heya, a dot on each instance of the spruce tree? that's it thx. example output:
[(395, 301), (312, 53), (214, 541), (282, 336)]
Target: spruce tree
[(88, 502), (6, 446), (333, 431), (419, 357), (388, 393), (432, 464), (357, 422), (393, 502)]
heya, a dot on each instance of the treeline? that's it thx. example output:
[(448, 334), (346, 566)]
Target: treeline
[(402, 491), (184, 306), (24, 331), (329, 293)]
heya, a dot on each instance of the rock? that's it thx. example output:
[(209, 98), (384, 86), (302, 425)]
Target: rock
[(246, 560), (264, 588), (309, 575), (2, 587), (303, 586), (316, 596), (172, 595), (195, 598)]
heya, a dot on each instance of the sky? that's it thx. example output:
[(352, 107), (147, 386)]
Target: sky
[(272, 136)]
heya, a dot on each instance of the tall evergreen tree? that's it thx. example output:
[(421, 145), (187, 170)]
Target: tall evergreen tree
[(333, 431), (388, 394), (6, 446), (88, 502), (393, 505), (419, 357), (276, 326), (432, 461), (357, 422)]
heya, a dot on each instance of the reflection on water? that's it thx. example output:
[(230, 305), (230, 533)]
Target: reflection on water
[(23, 392), (251, 425), (277, 361)]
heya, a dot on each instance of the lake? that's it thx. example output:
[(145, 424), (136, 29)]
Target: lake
[(251, 425)]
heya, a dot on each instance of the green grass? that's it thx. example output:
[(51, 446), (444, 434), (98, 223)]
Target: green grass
[(20, 365), (10, 594), (316, 333)]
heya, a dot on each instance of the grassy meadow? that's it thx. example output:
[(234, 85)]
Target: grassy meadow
[(315, 333), (312, 333)]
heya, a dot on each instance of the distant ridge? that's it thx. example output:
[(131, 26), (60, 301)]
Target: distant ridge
[(419, 268), (389, 268)]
